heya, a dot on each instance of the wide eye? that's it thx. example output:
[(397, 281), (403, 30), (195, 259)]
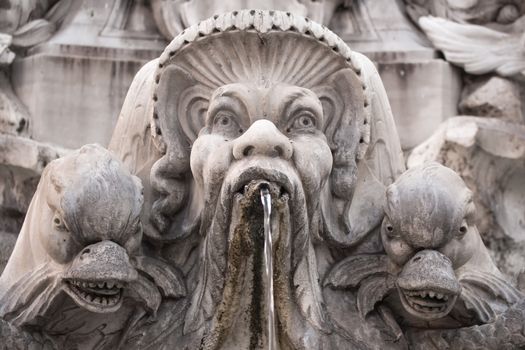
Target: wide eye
[(58, 223), (304, 121), (226, 124)]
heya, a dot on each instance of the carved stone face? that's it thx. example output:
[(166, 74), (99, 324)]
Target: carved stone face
[(255, 135), (269, 133), (224, 126), (83, 225), (91, 225), (429, 233)]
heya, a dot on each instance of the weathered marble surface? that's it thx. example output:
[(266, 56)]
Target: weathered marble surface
[(365, 257), (249, 123), (488, 154), (78, 257), (94, 48), (485, 38)]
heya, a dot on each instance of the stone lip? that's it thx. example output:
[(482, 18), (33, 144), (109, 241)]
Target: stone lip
[(277, 182), (428, 286), (97, 277)]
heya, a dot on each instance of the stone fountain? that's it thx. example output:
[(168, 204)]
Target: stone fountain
[(254, 197)]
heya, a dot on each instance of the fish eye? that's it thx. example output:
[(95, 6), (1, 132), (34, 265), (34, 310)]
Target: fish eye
[(463, 228), (388, 228), (59, 224)]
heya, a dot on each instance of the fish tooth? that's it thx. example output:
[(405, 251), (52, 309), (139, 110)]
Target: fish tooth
[(422, 294), (100, 285), (110, 285), (119, 285), (432, 294), (445, 297), (440, 296), (92, 285)]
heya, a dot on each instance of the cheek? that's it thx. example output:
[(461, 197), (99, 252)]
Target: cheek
[(58, 244), (459, 251), (397, 250), (313, 159), (210, 158), (132, 245)]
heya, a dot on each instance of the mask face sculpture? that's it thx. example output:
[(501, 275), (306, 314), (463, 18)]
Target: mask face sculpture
[(80, 243), (231, 115)]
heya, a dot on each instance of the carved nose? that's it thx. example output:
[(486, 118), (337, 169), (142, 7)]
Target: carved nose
[(262, 138)]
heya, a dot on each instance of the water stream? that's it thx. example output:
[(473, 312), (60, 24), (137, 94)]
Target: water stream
[(266, 200)]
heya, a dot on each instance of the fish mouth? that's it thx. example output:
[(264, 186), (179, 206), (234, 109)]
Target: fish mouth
[(428, 304), (96, 296)]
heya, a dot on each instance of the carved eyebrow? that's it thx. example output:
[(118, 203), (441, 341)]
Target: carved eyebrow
[(301, 98), (230, 100)]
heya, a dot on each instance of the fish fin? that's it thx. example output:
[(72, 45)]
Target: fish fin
[(493, 285), (473, 302), (371, 291), (351, 271), (31, 296), (168, 279), (147, 293)]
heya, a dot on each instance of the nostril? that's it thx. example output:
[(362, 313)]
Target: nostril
[(86, 251), (416, 259), (279, 151), (248, 150)]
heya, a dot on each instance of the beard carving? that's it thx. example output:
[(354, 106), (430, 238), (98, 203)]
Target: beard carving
[(231, 173), (436, 272), (78, 254)]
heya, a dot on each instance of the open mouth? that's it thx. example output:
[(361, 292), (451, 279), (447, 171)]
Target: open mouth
[(427, 304), (277, 183), (96, 296)]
